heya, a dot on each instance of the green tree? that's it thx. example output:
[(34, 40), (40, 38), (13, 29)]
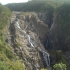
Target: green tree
[(60, 66)]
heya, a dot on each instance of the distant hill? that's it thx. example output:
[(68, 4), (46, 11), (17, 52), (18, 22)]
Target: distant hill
[(35, 5)]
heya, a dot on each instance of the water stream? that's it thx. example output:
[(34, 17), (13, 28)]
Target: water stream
[(46, 58), (29, 39), (28, 36), (18, 25)]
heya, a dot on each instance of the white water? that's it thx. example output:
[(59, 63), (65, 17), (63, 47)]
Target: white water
[(18, 25), (30, 40), (25, 33), (20, 28), (46, 58)]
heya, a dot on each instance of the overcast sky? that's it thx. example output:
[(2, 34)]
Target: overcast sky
[(11, 1)]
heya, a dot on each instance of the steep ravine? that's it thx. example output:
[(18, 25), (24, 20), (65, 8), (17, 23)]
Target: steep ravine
[(26, 35)]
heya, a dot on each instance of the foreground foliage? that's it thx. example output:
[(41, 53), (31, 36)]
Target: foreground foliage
[(60, 66), (7, 59)]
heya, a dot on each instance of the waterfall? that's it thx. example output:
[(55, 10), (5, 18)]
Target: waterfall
[(18, 25), (25, 33), (30, 40), (46, 58), (20, 28)]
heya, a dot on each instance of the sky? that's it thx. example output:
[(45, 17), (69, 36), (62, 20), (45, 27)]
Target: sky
[(11, 1)]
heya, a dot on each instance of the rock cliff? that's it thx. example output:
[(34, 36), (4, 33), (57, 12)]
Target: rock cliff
[(26, 36), (30, 33)]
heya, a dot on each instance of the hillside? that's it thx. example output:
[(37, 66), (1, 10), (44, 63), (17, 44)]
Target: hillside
[(7, 59), (36, 5)]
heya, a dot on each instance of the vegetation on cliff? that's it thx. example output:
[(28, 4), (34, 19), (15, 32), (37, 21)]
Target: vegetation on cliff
[(63, 21), (7, 59), (4, 19), (62, 28), (60, 66)]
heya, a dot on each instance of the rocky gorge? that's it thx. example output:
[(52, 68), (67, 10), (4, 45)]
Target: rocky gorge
[(26, 35), (34, 38)]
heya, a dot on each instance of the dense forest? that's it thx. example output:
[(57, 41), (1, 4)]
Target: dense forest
[(58, 21), (36, 5)]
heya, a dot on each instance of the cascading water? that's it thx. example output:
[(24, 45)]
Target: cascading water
[(18, 25), (30, 40), (46, 58), (45, 55)]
